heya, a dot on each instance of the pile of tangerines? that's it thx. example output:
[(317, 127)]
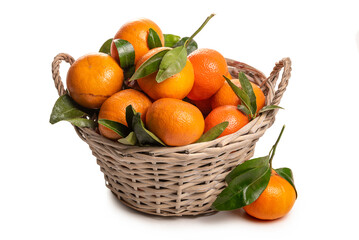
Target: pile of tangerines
[(170, 90), (177, 110)]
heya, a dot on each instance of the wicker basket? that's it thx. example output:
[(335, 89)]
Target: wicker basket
[(179, 181)]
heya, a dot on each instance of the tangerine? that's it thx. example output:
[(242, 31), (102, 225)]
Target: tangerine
[(175, 122), (177, 86), (93, 78), (209, 67), (136, 32), (276, 200), (226, 96), (114, 108), (235, 118)]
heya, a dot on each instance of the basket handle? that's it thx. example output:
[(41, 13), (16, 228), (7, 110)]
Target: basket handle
[(284, 64), (56, 71)]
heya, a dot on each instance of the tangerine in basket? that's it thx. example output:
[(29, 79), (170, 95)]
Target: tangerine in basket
[(209, 67), (275, 201), (177, 86), (136, 32), (226, 96), (93, 78), (235, 118), (175, 122), (114, 109)]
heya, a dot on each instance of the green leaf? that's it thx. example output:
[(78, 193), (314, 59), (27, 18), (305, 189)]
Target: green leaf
[(213, 133), (64, 109), (246, 166), (83, 122), (172, 63), (126, 53), (144, 136), (117, 127), (130, 113), (129, 140), (269, 108), (248, 89), (241, 94), (150, 66), (192, 45), (170, 39), (243, 190), (287, 174), (106, 47), (153, 40), (244, 110)]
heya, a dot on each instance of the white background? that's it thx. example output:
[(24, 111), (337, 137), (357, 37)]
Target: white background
[(50, 184)]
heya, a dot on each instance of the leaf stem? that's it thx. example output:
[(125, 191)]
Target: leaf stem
[(198, 30), (272, 151)]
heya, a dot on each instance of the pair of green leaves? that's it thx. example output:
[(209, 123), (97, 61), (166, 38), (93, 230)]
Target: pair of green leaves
[(172, 63), (248, 180), (169, 62), (248, 98), (65, 109), (135, 132), (166, 63)]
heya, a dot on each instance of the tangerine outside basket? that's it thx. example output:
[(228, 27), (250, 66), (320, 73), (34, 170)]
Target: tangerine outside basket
[(180, 181)]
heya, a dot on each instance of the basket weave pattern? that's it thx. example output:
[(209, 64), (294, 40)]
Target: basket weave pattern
[(178, 181)]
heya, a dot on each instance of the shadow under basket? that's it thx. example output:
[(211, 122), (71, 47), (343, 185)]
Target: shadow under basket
[(180, 181)]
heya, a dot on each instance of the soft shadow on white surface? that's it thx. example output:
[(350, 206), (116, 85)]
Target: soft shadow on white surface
[(357, 40), (117, 203), (219, 217)]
